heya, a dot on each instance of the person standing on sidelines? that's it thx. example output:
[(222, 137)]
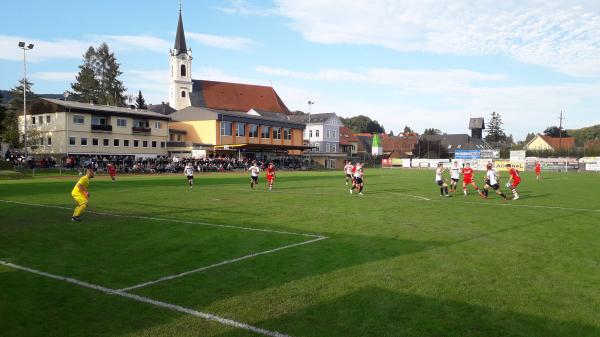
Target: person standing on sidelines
[(254, 171), (112, 171), (188, 171), (538, 170), (454, 176), (270, 175), (81, 194), (348, 171)]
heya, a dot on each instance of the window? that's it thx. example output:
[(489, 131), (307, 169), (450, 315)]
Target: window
[(253, 131), (240, 131), (276, 133), (162, 144), (33, 120), (95, 141), (126, 142), (183, 93), (83, 141), (266, 132), (178, 138), (153, 143), (41, 141), (333, 134), (287, 134), (121, 122), (136, 143), (226, 128), (310, 133), (145, 143), (49, 141), (72, 141), (157, 125), (78, 119), (328, 133), (317, 147), (116, 142), (317, 133), (333, 148), (99, 120), (141, 123), (105, 142), (183, 71), (328, 147), (48, 119)]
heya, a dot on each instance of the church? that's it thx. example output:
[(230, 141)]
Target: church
[(222, 118)]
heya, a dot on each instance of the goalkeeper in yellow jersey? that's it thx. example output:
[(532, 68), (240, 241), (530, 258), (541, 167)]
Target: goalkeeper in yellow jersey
[(81, 195)]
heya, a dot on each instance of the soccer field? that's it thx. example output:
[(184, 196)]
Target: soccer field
[(155, 258)]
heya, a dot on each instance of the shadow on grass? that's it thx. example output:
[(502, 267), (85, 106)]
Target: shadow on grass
[(384, 313)]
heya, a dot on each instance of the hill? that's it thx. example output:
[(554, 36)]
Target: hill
[(583, 134), (7, 97)]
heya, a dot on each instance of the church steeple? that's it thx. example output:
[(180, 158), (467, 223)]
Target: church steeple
[(180, 45)]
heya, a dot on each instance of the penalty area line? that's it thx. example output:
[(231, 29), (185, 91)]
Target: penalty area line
[(167, 220), (147, 300)]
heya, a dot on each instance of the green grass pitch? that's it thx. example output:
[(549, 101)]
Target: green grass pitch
[(397, 261)]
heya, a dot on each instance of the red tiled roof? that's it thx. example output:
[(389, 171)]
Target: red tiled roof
[(346, 136), (398, 144), (555, 142), (240, 97)]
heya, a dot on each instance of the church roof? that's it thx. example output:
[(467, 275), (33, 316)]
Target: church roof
[(235, 97), (476, 123), (180, 45)]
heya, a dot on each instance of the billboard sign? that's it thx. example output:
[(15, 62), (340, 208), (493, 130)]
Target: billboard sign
[(467, 154)]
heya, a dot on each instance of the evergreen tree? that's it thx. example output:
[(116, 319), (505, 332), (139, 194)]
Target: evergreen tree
[(86, 88), (529, 137), (112, 91), (495, 133), (391, 134), (10, 123), (431, 132), (554, 131), (140, 102), (2, 115), (407, 129)]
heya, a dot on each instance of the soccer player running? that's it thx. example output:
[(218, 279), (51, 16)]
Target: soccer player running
[(492, 182), (271, 175), (513, 181), (467, 173), (538, 170), (440, 181), (81, 194), (358, 178), (454, 176), (254, 171), (112, 171), (188, 171), (348, 170)]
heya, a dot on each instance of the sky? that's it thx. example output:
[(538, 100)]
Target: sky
[(417, 63)]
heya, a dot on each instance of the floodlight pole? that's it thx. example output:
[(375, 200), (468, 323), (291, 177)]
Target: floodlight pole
[(25, 48)]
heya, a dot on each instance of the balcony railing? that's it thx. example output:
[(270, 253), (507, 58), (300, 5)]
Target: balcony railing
[(176, 144), (102, 128), (137, 129)]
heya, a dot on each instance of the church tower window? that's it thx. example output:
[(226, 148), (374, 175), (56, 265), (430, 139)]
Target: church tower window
[(183, 70)]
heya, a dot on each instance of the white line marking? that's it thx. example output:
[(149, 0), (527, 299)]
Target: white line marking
[(166, 219), (173, 307), (167, 278), (410, 195)]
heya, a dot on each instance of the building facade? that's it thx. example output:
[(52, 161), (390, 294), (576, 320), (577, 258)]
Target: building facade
[(74, 128), (322, 134)]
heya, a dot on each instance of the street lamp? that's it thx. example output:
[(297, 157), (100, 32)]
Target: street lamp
[(310, 104), (25, 48)]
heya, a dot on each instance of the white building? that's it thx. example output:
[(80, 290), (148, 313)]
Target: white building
[(322, 133)]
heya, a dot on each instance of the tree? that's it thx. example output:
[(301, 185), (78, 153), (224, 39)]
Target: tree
[(554, 131), (529, 137), (391, 134), (495, 133), (10, 124), (140, 102), (431, 132), (2, 115), (408, 129), (363, 124), (98, 78)]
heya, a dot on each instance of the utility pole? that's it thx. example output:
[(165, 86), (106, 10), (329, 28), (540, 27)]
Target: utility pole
[(560, 127)]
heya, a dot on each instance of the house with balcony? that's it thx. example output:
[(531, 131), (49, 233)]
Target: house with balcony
[(83, 129)]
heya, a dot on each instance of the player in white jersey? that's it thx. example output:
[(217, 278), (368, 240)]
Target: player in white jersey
[(439, 180), (188, 170), (492, 182), (348, 171), (358, 182), (454, 176), (254, 171)]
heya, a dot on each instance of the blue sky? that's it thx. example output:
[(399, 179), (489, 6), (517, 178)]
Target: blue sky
[(422, 64)]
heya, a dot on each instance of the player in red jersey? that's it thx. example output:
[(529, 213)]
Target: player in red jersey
[(270, 175), (467, 173), (538, 170), (513, 181), (112, 171)]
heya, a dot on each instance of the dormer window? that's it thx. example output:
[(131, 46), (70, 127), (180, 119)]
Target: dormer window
[(183, 70)]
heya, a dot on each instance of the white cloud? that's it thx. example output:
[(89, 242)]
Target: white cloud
[(225, 42), (243, 7), (135, 42), (563, 36), (55, 76)]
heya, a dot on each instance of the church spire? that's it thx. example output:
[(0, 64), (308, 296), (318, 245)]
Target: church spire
[(180, 45)]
